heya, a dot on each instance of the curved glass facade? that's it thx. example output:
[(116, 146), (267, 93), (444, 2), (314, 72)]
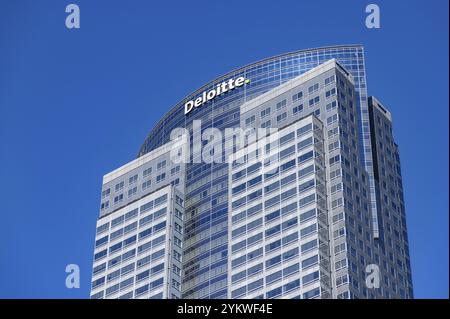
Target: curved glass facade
[(206, 211)]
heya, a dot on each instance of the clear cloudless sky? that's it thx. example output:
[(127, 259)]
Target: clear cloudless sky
[(76, 104)]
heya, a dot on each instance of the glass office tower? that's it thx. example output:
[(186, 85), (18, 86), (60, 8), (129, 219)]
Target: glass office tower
[(374, 234)]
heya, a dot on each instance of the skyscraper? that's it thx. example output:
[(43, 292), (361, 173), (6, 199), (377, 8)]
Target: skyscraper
[(312, 222)]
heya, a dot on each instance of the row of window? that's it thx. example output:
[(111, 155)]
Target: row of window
[(283, 154), (133, 179), (270, 174), (282, 140), (250, 241), (297, 108), (130, 240), (257, 208), (133, 191), (129, 215), (277, 276), (271, 217), (122, 258), (133, 226)]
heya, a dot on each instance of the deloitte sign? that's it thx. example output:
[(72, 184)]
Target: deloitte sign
[(219, 90)]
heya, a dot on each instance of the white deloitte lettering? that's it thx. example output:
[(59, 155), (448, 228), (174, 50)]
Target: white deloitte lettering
[(219, 90)]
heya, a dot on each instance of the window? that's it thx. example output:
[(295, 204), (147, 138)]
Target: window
[(131, 214), (160, 200), (250, 120), (331, 106), (313, 88), (338, 217), (336, 188), (119, 186), (341, 280), (176, 270), (143, 275), (178, 200), (178, 214), (281, 117), (305, 157), (336, 173), (118, 199), (311, 294), (132, 179), (291, 285), (307, 200), (311, 261), (100, 268), (336, 203), (297, 109), (334, 160), (339, 232), (176, 255), (308, 230), (160, 177), (281, 104), (178, 228), (159, 227), (239, 292), (306, 186), (106, 192), (314, 101), (146, 184), (274, 293), (105, 205), (291, 269), (265, 112), (142, 290), (161, 165), (333, 146), (129, 240), (309, 246), (307, 215), (339, 248), (340, 264), (304, 129), (117, 221), (175, 170), (286, 138), (177, 241), (332, 119), (132, 192), (306, 171), (100, 254), (266, 124), (330, 93), (98, 282), (297, 96), (330, 80), (146, 207), (102, 228), (305, 143), (333, 132), (147, 172), (175, 284)]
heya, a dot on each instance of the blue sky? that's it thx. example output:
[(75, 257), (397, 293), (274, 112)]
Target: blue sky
[(75, 104)]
